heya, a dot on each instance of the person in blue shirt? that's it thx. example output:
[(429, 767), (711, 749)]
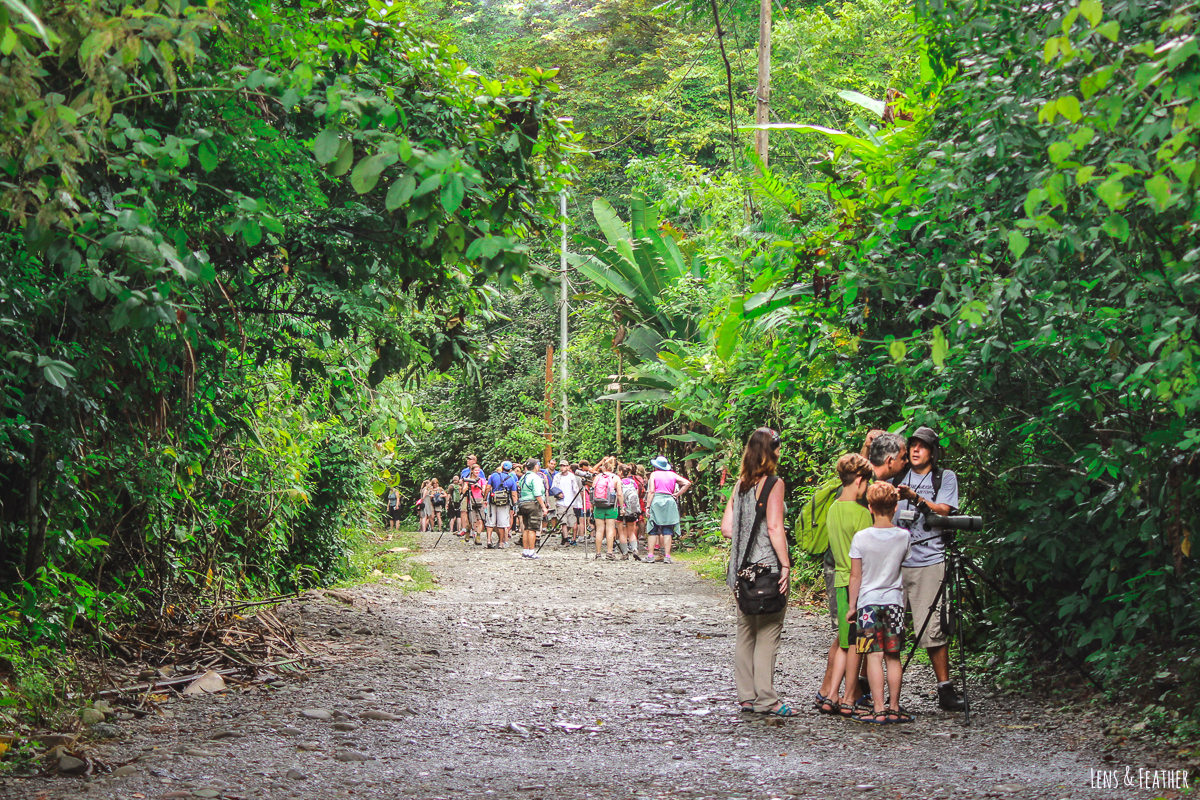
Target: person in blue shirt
[(501, 493)]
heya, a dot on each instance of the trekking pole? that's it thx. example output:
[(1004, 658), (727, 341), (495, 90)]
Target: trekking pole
[(546, 538)]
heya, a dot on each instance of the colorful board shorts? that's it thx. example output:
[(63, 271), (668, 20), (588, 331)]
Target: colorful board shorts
[(606, 513), (880, 629)]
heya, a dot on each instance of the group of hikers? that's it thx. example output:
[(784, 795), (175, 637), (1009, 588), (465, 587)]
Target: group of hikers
[(612, 503), (884, 551), (881, 553)]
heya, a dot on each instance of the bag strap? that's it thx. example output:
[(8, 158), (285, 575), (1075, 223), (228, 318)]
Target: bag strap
[(760, 514)]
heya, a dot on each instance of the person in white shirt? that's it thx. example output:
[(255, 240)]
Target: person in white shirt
[(565, 488), (876, 606)]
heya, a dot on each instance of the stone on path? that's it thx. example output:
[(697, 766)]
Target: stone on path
[(209, 683), (322, 714), (296, 775), (71, 765), (353, 755), (91, 716), (201, 753), (289, 731), (385, 716), (125, 771)]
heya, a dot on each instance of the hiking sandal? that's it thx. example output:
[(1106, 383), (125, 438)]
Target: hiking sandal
[(846, 710), (872, 717), (746, 707), (783, 710), (822, 701), (898, 715)]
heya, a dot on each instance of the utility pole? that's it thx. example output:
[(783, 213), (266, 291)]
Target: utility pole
[(562, 311), (762, 98), (549, 402)]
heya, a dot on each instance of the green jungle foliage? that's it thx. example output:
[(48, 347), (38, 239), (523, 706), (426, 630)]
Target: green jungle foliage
[(231, 233), (261, 261), (1011, 259)]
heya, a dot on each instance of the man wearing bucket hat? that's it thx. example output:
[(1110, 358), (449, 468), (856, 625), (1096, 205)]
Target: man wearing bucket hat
[(662, 506), (926, 488)]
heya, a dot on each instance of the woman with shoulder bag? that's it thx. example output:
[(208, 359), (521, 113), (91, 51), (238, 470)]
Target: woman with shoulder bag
[(759, 573)]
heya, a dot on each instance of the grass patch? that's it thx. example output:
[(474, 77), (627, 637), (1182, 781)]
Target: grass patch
[(706, 560), (386, 557)]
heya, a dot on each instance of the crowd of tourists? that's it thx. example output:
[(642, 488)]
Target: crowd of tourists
[(882, 554), (626, 511)]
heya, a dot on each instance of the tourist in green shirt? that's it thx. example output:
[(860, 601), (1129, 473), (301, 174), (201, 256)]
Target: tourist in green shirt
[(847, 516)]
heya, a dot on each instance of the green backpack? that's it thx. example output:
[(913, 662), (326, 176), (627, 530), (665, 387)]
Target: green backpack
[(811, 534)]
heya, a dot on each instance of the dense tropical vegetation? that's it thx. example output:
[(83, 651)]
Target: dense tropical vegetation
[(262, 259)]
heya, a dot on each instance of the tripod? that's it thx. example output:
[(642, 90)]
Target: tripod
[(951, 588)]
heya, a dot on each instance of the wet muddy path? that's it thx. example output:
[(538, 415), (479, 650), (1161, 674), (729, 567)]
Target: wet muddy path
[(568, 678)]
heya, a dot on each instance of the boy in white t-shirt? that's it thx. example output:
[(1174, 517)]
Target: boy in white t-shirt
[(876, 605)]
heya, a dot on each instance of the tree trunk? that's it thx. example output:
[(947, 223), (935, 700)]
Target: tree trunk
[(762, 95)]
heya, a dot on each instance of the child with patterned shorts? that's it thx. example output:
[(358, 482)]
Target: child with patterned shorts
[(876, 605)]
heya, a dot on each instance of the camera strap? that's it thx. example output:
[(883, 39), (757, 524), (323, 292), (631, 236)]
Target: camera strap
[(898, 481)]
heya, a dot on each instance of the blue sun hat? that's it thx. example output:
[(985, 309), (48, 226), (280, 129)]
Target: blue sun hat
[(506, 466), (660, 463)]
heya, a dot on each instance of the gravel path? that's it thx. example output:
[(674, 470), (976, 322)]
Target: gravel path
[(566, 678)]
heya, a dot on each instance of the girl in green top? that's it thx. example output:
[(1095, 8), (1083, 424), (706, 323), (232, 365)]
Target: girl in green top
[(847, 516)]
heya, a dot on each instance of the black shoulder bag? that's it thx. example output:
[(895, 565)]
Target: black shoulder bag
[(757, 586)]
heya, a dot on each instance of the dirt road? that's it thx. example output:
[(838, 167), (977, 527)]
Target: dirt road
[(567, 678)]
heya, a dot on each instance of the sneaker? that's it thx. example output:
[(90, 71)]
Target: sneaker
[(535, 554), (948, 699), (668, 560), (649, 559)]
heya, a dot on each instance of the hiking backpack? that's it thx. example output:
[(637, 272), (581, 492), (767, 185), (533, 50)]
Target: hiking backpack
[(606, 492), (501, 496), (629, 491), (811, 534)]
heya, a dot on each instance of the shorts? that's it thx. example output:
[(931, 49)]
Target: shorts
[(880, 629), (629, 517), (473, 511), (498, 516), (606, 513), (566, 516), (830, 592), (395, 514), (921, 586), (531, 514), (662, 530), (841, 602)]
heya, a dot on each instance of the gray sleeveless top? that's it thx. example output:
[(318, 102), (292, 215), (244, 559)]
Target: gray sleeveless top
[(761, 551)]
